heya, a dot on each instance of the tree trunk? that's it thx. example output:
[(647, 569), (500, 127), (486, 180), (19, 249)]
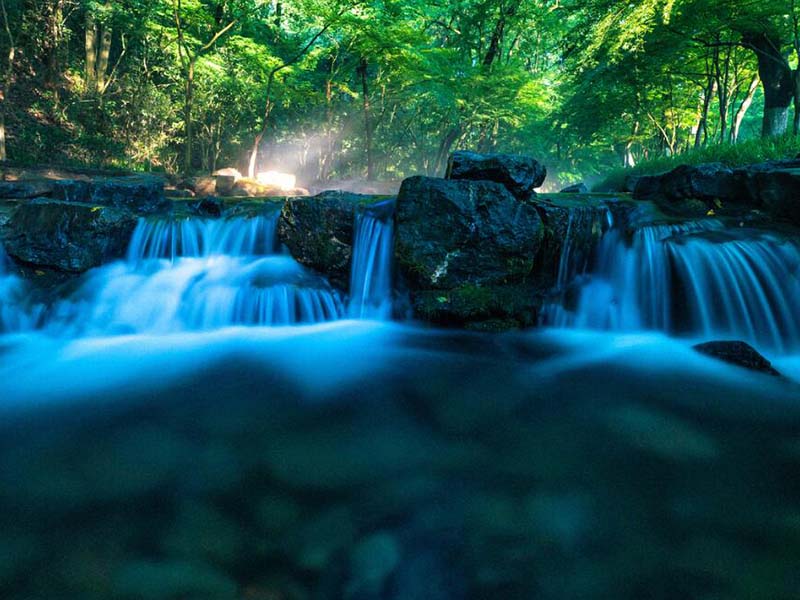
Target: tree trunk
[(6, 83), (796, 119), (102, 59), (444, 148), (90, 44), (188, 102), (777, 81), (742, 110), (362, 68)]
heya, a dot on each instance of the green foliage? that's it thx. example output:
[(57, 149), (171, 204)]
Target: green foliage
[(584, 86), (732, 155)]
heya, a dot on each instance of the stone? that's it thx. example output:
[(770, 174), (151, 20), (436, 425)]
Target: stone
[(737, 353), (26, 189), (455, 233), (170, 580), (228, 172), (577, 188), (467, 250), (201, 532), (690, 190), (67, 237), (318, 540), (142, 194), (207, 207), (224, 185), (519, 174), (372, 562), (319, 231)]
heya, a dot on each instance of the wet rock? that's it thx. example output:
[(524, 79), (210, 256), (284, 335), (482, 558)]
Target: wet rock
[(224, 185), (208, 207), (67, 237), (573, 227), (372, 562), (775, 187), (463, 246), (320, 539), (737, 353), (201, 532), (453, 233), (490, 308), (171, 580), (142, 194), (577, 188), (689, 190), (662, 433), (25, 189), (519, 174), (319, 232)]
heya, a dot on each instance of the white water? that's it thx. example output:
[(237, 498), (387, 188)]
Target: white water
[(697, 279), (371, 272)]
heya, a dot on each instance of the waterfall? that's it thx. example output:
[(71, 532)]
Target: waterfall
[(698, 278), (371, 271), (173, 238), (198, 274), (17, 311)]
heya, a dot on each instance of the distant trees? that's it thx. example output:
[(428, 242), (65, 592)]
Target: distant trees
[(381, 89)]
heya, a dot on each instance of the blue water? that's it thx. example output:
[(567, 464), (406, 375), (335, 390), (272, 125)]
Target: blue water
[(209, 419)]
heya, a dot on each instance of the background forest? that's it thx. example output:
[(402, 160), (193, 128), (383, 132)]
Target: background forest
[(381, 89)]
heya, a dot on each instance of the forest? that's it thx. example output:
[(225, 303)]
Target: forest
[(382, 89)]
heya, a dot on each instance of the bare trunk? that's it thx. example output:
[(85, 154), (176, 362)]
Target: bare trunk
[(188, 102), (367, 121), (796, 119), (6, 83), (102, 59), (444, 148), (742, 110), (90, 44)]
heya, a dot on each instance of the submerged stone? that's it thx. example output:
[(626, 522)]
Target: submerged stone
[(737, 353)]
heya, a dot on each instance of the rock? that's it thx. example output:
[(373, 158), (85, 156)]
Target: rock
[(372, 562), (319, 230), (224, 184), (577, 188), (170, 580), (228, 172), (773, 187), (453, 233), (466, 249), (178, 193), (737, 353), (199, 532), (142, 194), (201, 186), (319, 539), (573, 226), (67, 237), (689, 190), (519, 174), (25, 189), (207, 207)]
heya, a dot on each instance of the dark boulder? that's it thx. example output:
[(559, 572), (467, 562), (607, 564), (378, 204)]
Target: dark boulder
[(573, 226), (467, 250), (25, 189), (318, 231), (577, 188), (207, 207), (690, 191), (67, 237), (142, 194), (773, 187), (519, 174), (737, 353)]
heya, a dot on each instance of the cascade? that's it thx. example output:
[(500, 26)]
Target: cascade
[(371, 271), (173, 238), (697, 278), (17, 312), (198, 274)]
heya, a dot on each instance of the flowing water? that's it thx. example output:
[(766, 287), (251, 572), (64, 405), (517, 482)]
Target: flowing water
[(208, 419)]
